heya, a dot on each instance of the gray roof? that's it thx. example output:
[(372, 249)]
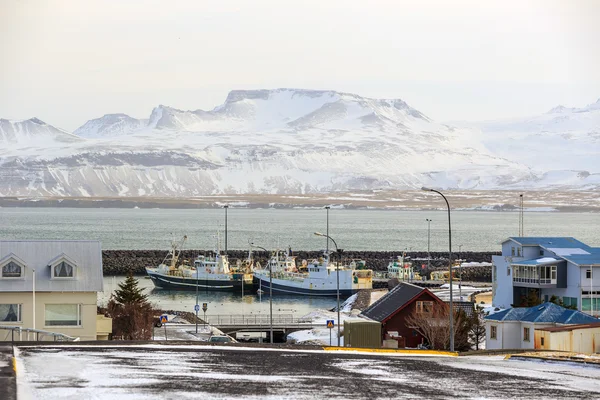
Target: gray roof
[(567, 248), (38, 255), (387, 305)]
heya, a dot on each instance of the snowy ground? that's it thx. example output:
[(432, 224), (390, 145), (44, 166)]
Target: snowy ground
[(325, 336), (232, 372)]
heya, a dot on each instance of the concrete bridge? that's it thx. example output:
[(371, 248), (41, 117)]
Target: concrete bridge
[(282, 323)]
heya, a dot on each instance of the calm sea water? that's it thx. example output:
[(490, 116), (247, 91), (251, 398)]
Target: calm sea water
[(221, 303), (139, 229)]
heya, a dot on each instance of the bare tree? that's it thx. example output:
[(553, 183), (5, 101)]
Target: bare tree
[(477, 327), (434, 326)]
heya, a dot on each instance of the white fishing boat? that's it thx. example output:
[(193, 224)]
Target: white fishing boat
[(314, 278), (211, 272), (402, 269)]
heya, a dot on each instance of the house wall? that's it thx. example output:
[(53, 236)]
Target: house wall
[(532, 326), (507, 335), (88, 301), (493, 344), (502, 285), (398, 321), (578, 340)]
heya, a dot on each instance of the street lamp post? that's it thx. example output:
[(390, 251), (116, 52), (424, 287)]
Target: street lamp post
[(450, 265), (226, 207), (327, 233), (270, 289), (33, 292), (428, 242), (337, 270), (197, 307)]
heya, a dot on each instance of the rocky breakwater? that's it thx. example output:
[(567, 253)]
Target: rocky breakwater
[(122, 262)]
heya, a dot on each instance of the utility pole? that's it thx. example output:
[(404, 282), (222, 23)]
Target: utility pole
[(428, 243)]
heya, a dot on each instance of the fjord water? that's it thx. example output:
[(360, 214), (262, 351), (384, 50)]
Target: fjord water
[(378, 230), (139, 229), (221, 303)]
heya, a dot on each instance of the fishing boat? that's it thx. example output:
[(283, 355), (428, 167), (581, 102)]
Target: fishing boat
[(402, 269), (315, 278), (211, 272)]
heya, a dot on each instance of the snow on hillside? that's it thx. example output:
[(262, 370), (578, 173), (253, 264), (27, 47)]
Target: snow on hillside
[(296, 141), (31, 131), (110, 125), (563, 139)]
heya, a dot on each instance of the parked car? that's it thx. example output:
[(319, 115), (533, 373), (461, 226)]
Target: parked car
[(220, 339)]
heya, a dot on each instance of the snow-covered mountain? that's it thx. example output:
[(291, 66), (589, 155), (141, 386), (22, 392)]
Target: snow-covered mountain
[(32, 131), (280, 141), (560, 139), (110, 125)]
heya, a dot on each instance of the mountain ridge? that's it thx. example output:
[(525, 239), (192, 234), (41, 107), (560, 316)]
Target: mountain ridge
[(287, 141)]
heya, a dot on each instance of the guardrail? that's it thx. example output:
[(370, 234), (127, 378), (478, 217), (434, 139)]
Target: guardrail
[(256, 319), (16, 334)]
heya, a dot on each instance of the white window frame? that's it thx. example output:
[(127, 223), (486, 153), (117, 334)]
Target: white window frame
[(8, 261), (53, 270), (494, 332), (526, 334), (423, 305), (79, 316), (588, 274), (19, 313)]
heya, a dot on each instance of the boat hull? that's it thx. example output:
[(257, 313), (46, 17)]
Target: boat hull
[(284, 288), (180, 283)]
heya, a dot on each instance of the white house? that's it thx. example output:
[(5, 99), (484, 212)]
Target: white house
[(543, 267), (515, 328), (51, 285)]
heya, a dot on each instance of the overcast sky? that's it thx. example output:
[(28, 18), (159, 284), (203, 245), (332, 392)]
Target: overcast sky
[(69, 61)]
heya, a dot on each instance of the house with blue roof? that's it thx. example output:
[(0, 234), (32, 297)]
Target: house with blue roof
[(514, 328), (542, 267)]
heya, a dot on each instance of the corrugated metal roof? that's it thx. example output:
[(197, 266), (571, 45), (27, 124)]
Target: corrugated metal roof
[(538, 261), (38, 254), (567, 248), (564, 242), (544, 313), (391, 302), (569, 327)]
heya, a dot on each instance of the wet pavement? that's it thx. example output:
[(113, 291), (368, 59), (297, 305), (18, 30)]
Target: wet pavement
[(8, 385), (233, 372)]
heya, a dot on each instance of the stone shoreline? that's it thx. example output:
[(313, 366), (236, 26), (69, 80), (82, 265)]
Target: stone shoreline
[(122, 262)]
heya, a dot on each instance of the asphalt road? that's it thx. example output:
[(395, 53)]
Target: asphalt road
[(8, 385), (176, 372)]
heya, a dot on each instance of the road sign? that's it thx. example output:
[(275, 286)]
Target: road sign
[(163, 319), (196, 308), (204, 307), (330, 323)]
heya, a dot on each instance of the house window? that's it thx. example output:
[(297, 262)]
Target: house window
[(12, 270), (542, 341), (588, 274), (493, 332), (512, 251), (424, 307), (10, 313), (63, 315), (63, 270), (526, 334), (541, 252), (518, 252), (507, 271)]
